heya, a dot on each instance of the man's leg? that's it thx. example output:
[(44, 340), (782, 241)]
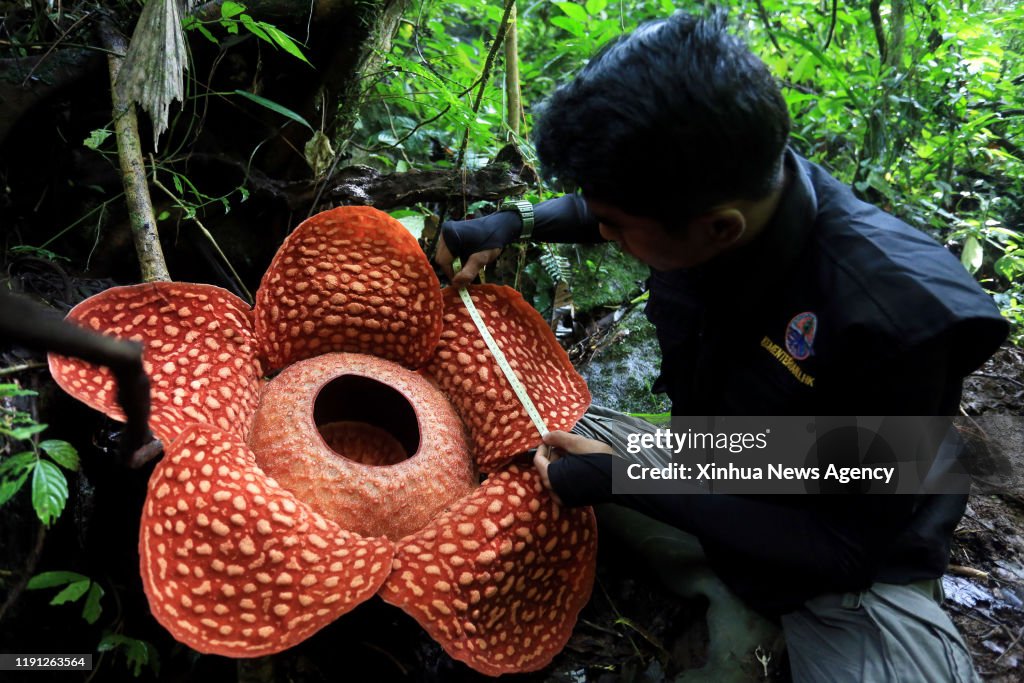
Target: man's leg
[(735, 632), (677, 559), (885, 633)]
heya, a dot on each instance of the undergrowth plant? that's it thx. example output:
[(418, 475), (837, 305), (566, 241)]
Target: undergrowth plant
[(41, 465)]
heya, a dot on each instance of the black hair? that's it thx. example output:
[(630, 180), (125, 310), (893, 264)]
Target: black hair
[(667, 121)]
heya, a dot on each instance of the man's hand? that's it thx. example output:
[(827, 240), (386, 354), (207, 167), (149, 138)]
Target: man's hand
[(477, 241), (558, 441), (470, 269)]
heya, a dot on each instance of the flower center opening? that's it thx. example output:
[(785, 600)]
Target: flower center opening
[(366, 421)]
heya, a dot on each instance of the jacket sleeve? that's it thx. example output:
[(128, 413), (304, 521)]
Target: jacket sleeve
[(565, 219)]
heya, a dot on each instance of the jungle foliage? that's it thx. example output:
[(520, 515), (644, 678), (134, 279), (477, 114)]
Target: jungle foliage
[(918, 105)]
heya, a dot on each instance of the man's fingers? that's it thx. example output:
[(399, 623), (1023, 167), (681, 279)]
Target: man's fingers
[(473, 265), (541, 462)]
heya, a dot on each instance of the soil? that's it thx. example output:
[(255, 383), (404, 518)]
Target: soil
[(988, 607)]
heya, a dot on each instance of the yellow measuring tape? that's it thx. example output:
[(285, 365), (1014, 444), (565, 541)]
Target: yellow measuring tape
[(499, 356)]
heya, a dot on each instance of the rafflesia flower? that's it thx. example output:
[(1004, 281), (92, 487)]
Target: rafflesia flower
[(280, 505)]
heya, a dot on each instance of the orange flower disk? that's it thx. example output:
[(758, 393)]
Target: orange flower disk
[(379, 500)]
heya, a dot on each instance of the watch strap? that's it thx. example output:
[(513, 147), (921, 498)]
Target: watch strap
[(525, 211)]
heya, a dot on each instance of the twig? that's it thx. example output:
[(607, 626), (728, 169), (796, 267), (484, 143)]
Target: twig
[(514, 108), (499, 39), (767, 25), (969, 572), (1010, 646), (30, 566), (876, 24), (999, 377), (133, 168), (832, 25), (15, 369), (145, 453), (209, 237), (53, 46)]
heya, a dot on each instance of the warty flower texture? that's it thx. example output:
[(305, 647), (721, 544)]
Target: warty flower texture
[(281, 504)]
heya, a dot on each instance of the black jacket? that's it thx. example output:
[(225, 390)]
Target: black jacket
[(837, 308)]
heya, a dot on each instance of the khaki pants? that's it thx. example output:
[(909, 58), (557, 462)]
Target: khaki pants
[(885, 633)]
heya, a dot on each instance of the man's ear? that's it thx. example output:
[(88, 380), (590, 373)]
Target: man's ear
[(722, 227)]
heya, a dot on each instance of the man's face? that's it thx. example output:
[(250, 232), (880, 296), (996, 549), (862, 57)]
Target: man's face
[(651, 241)]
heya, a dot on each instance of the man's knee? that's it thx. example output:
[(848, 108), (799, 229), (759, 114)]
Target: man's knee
[(886, 633)]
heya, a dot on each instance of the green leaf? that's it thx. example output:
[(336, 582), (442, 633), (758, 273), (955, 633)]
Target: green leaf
[(97, 138), (573, 11), (92, 609), (63, 453), (137, 652), (973, 254), (414, 224), (205, 32), (231, 9), (274, 106), (569, 25), (255, 28), (10, 390), (73, 592), (49, 491), (51, 579), (1009, 265), (17, 464), (284, 41), (9, 487), (14, 473), (24, 432), (39, 252), (596, 6)]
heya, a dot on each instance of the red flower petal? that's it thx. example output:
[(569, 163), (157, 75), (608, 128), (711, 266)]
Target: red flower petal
[(499, 580), (235, 565), (360, 490), (200, 355), (349, 279), (465, 370)]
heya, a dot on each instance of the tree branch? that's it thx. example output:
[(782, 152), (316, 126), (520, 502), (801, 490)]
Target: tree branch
[(876, 24), (133, 168), (514, 106), (499, 39)]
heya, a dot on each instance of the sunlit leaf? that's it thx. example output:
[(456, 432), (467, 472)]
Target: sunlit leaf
[(569, 25), (414, 224), (973, 254), (573, 11), (97, 138), (231, 9), (10, 390)]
